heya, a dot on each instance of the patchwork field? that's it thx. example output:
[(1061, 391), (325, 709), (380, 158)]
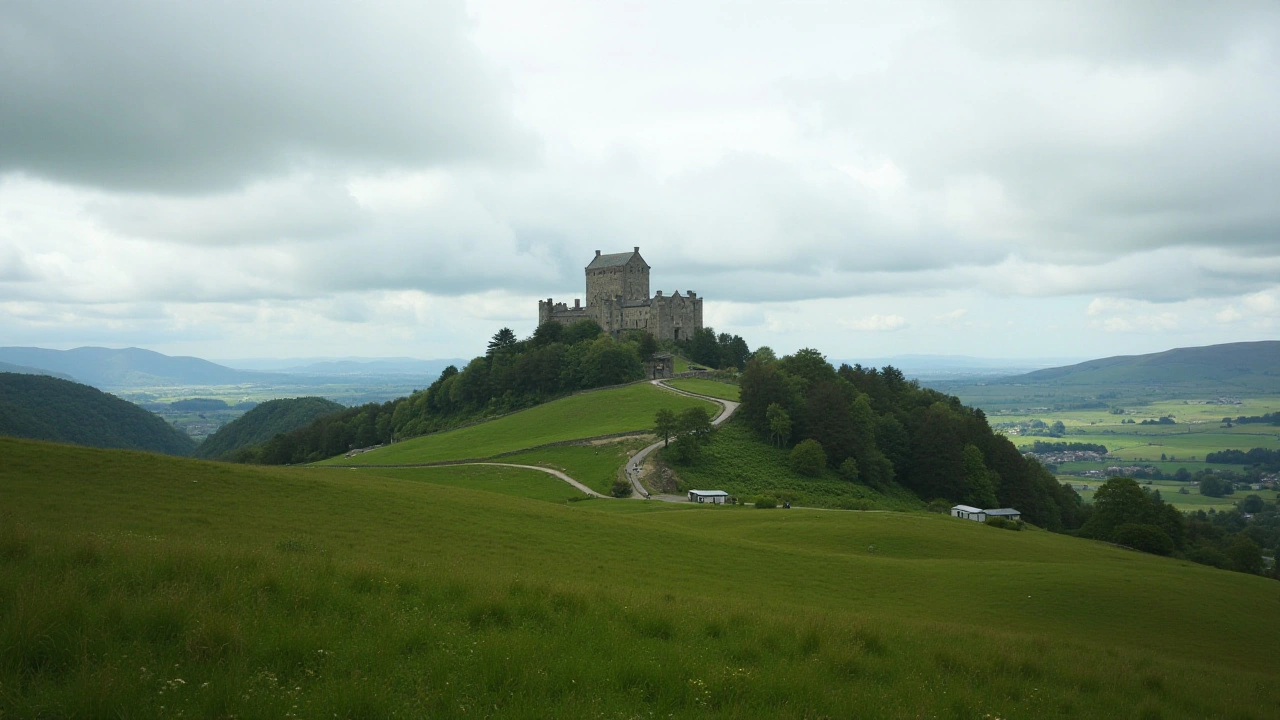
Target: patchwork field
[(602, 412), (146, 586)]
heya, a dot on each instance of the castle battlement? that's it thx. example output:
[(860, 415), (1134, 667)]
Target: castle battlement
[(618, 299)]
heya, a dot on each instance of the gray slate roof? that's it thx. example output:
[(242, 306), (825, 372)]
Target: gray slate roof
[(612, 260), (1003, 511)]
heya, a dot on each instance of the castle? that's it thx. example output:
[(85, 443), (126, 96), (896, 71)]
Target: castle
[(618, 299)]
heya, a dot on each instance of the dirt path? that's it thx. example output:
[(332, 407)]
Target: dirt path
[(727, 408), (548, 471)]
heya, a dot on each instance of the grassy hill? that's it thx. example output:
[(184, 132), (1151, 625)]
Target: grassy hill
[(146, 586), (47, 408), (589, 414), (263, 423)]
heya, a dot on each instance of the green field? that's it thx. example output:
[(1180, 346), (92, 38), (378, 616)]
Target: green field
[(713, 388), (740, 463), (591, 414), (595, 466), (143, 586)]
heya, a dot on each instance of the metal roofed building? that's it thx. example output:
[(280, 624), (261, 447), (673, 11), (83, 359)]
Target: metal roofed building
[(968, 512), (718, 497), (1006, 513)]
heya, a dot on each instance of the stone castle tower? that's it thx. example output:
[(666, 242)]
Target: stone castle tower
[(618, 299)]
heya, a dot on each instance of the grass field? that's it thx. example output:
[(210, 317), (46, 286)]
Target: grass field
[(713, 388), (595, 466), (142, 586), (743, 465), (603, 412)]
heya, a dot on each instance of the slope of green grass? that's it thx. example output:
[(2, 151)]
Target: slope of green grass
[(740, 463), (714, 388), (590, 414), (516, 482), (142, 586), (595, 466)]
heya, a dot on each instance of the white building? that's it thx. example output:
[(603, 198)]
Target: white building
[(718, 497), (969, 513)]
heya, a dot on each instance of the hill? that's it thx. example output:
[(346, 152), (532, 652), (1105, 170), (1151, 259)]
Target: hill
[(1252, 367), (265, 422), (128, 367), (25, 370), (48, 408), (588, 414), (158, 587)]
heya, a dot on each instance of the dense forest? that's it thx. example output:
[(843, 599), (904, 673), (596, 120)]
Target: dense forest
[(263, 423), (878, 427), (40, 407)]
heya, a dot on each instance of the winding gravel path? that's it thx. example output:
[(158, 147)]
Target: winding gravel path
[(727, 408)]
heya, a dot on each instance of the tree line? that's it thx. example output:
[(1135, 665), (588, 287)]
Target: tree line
[(876, 427), (1256, 456), (512, 374)]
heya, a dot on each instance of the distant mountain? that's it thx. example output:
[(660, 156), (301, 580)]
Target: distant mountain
[(347, 365), (1242, 367), (265, 422), (130, 367), (957, 367), (25, 370), (40, 407)]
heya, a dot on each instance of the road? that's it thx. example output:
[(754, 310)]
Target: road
[(727, 408)]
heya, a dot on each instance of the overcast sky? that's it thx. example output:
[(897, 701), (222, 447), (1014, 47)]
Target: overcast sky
[(1023, 179)]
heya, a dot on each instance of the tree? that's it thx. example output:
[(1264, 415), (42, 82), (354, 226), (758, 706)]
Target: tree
[(1147, 538), (979, 491), (849, 470), (779, 424), (586, 329), (1252, 504), (696, 422), (1118, 501), (665, 424), (808, 458), (547, 333), (1057, 428), (648, 346), (502, 340), (764, 354)]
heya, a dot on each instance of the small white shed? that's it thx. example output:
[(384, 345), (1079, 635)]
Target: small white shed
[(969, 512), (718, 497)]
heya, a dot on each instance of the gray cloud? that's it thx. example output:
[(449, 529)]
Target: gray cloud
[(185, 97)]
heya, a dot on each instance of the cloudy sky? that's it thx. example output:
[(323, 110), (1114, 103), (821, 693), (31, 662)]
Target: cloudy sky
[(247, 179)]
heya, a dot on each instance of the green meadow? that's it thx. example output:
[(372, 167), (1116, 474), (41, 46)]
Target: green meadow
[(602, 412), (740, 463), (713, 388), (595, 465), (145, 586)]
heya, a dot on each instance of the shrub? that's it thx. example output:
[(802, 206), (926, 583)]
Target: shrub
[(808, 458), (766, 502), (940, 505), (1147, 538), (621, 488), (849, 470)]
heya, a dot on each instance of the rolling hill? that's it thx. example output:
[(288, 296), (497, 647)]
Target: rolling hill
[(265, 422), (1252, 367), (26, 370), (47, 408), (146, 586)]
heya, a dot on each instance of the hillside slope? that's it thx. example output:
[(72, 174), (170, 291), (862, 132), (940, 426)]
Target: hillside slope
[(47, 408), (27, 370), (265, 422), (1244, 367), (588, 414), (252, 591)]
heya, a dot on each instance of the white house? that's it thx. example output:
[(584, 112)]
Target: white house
[(718, 497), (969, 513)]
